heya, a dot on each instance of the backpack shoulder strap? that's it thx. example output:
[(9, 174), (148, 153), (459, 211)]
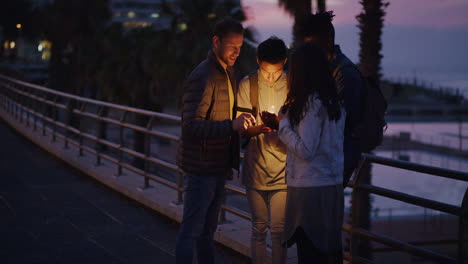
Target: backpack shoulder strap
[(253, 79)]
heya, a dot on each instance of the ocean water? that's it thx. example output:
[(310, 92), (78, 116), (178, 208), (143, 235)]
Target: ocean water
[(449, 134)]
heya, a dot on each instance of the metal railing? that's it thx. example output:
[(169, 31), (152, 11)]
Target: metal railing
[(356, 231), (42, 107)]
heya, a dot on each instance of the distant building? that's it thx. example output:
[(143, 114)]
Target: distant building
[(37, 3), (140, 13)]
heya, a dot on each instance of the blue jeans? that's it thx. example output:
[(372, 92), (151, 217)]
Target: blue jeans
[(202, 202)]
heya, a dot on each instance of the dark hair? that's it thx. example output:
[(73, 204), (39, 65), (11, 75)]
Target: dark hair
[(310, 74), (318, 25), (226, 26), (272, 50)]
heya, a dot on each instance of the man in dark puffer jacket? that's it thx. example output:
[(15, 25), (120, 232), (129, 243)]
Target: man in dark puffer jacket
[(209, 148)]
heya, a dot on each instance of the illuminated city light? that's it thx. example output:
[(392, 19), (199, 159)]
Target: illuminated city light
[(183, 26), (131, 14), (12, 45), (18, 26), (154, 15)]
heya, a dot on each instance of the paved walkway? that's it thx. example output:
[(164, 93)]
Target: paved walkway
[(50, 213)]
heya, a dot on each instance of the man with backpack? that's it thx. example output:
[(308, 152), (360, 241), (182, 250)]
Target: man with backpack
[(263, 170), (364, 103)]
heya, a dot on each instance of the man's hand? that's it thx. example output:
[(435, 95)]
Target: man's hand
[(265, 129), (257, 130), (243, 122)]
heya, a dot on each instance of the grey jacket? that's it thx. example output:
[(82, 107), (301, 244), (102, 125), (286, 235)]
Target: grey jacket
[(208, 144), (314, 147)]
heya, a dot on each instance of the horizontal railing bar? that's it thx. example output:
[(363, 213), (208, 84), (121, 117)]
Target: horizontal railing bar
[(95, 102), (48, 119), (235, 189), (127, 125), (435, 205), (446, 173), (40, 99), (421, 252), (124, 165), (237, 212), (102, 141), (150, 176), (163, 163)]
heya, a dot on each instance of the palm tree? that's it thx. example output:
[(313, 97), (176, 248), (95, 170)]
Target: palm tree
[(298, 9), (72, 26), (321, 6), (371, 24)]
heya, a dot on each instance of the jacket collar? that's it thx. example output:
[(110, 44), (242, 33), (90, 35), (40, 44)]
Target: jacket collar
[(212, 58)]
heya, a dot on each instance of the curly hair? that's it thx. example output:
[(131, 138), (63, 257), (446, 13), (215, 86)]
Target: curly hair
[(318, 24)]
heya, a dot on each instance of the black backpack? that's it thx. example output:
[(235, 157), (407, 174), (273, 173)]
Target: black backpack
[(372, 123)]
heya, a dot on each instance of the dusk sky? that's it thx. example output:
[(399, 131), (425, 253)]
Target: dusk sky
[(422, 38)]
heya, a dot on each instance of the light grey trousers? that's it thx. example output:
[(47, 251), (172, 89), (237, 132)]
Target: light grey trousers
[(264, 205)]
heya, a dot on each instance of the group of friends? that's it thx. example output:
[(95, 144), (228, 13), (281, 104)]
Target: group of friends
[(294, 169)]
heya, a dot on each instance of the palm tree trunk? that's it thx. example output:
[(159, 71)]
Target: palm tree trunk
[(371, 24), (321, 6), (302, 8), (361, 213)]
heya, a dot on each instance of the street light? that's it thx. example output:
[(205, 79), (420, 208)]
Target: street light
[(18, 26)]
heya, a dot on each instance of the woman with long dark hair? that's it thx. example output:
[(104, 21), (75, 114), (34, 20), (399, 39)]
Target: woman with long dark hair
[(312, 128)]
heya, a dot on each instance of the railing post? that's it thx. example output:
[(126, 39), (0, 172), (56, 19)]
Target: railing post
[(44, 110), (67, 122), (222, 213), (121, 142), (21, 107), (35, 115), (80, 136), (355, 217), (54, 128), (147, 143), (16, 105), (98, 141), (463, 230), (180, 186), (29, 109)]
